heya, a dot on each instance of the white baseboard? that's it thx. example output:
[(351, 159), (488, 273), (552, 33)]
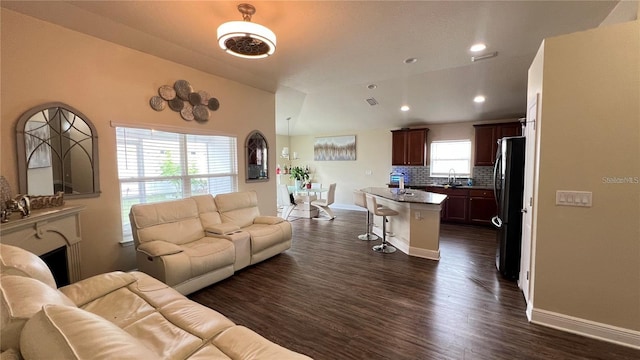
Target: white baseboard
[(347, 207), (424, 253), (592, 329)]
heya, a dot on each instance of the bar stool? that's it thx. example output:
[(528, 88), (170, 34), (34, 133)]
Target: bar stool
[(360, 199), (372, 205)]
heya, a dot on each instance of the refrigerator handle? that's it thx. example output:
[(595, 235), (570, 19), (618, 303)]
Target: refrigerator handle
[(496, 193)]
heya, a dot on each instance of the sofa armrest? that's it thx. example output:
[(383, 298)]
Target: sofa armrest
[(267, 220), (222, 228), (87, 290), (159, 248)]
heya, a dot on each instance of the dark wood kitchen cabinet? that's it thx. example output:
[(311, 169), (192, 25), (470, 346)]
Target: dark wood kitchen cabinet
[(455, 208), (409, 147), (482, 206), (486, 140), (468, 206)]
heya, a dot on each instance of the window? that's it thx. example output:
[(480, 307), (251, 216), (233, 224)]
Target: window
[(447, 155), (159, 166)]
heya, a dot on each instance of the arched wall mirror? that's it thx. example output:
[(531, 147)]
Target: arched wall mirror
[(256, 157), (57, 151)]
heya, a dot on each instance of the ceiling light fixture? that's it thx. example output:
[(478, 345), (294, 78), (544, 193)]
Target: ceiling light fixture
[(477, 47), (479, 99), (405, 108), (485, 56), (246, 39), (372, 86), (410, 61)]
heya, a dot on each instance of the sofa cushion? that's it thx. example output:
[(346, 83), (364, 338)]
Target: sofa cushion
[(22, 297), (17, 261), (95, 287), (72, 333), (239, 342), (207, 209), (209, 253), (239, 208), (174, 221), (265, 236)]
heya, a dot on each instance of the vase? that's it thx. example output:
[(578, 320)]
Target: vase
[(298, 184)]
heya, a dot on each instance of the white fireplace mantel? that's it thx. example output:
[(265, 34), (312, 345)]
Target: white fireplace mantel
[(46, 230)]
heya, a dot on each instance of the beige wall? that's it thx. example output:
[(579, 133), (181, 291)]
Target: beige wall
[(42, 62), (588, 259)]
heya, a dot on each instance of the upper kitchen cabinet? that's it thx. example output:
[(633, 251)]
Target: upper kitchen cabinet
[(486, 141), (409, 147)]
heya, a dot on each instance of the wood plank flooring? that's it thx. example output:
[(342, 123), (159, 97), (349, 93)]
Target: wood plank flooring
[(331, 297)]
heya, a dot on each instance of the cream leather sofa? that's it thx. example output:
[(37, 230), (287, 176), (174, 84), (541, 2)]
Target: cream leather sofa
[(194, 242), (115, 315)]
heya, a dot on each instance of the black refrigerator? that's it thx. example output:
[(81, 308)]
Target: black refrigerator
[(508, 182)]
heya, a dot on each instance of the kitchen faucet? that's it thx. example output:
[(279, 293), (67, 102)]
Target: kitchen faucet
[(454, 176)]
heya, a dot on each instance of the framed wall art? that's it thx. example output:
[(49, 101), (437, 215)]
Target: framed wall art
[(335, 148)]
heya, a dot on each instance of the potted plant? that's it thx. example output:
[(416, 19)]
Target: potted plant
[(300, 175)]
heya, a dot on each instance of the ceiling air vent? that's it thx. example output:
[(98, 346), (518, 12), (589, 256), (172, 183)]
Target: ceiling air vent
[(372, 101)]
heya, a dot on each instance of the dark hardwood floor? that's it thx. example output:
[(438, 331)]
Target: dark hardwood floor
[(331, 297)]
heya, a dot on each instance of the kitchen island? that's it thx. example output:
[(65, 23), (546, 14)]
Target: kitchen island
[(416, 228)]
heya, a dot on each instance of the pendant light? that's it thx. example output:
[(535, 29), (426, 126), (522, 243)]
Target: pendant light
[(246, 39)]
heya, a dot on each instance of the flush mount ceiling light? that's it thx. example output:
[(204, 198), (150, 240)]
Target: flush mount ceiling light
[(246, 39), (479, 99), (405, 108), (478, 47), (410, 61)]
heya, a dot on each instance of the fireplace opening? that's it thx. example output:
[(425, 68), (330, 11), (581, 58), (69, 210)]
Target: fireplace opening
[(57, 262)]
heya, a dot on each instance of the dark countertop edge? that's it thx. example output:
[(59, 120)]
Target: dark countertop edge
[(418, 197), (472, 187)]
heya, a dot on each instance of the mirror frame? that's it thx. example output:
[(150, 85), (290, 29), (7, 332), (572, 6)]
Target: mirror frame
[(22, 152), (246, 156)]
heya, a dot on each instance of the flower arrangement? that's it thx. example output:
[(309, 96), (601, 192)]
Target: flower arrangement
[(300, 174)]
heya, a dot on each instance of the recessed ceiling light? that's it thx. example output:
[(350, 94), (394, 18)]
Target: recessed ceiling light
[(478, 47), (404, 108), (410, 60), (372, 86), (479, 99)]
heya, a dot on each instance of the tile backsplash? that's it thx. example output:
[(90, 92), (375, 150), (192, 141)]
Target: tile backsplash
[(482, 175)]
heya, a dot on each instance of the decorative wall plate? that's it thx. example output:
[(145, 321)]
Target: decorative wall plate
[(183, 89), (195, 99), (187, 112), (204, 97), (167, 92), (201, 113), (176, 104), (157, 103), (213, 104)]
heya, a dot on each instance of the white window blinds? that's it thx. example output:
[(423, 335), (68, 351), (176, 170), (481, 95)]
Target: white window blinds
[(159, 166)]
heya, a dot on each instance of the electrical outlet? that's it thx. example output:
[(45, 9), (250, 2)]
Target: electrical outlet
[(368, 172), (418, 215), (574, 198)]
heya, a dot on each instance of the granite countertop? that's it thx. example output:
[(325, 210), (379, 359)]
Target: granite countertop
[(410, 196), (416, 185)]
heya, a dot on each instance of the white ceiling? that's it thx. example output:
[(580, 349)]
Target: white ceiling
[(329, 51)]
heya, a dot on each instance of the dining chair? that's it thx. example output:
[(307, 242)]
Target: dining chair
[(323, 204), (315, 185), (286, 201)]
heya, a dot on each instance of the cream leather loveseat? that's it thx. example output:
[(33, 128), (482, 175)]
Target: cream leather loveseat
[(194, 242), (115, 315)]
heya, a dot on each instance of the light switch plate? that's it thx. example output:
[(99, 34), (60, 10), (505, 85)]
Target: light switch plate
[(574, 198)]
